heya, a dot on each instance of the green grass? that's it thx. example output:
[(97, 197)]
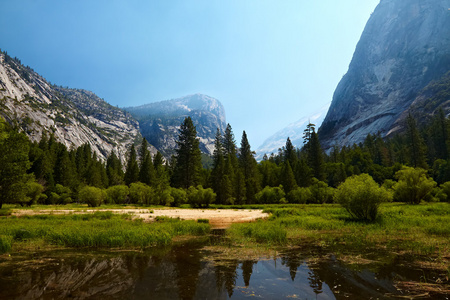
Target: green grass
[(97, 230), (417, 229)]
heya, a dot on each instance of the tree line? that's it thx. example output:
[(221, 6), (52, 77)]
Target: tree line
[(412, 166)]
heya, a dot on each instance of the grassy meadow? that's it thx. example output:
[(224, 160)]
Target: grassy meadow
[(94, 230), (416, 229)]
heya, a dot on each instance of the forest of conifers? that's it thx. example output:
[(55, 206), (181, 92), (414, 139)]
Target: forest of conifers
[(46, 172)]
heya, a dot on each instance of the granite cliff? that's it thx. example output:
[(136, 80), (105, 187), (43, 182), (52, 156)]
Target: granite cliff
[(403, 53)]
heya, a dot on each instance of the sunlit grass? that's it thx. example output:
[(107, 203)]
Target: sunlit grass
[(418, 229), (96, 230)]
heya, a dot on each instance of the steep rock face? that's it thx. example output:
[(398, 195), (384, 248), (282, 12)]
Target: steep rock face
[(74, 116), (293, 131), (404, 47), (160, 121)]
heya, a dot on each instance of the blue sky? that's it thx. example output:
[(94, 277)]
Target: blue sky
[(270, 62)]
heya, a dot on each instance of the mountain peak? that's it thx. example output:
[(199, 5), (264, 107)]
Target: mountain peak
[(160, 121)]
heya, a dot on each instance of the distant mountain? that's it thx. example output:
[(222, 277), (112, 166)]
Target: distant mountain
[(293, 131), (400, 65), (74, 116), (160, 121)]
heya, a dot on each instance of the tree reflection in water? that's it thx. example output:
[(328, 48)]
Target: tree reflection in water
[(185, 271)]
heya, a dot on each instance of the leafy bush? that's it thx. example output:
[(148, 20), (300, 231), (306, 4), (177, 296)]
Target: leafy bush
[(299, 195), (444, 193), (200, 197), (141, 193), (320, 192), (361, 196), (179, 196), (165, 198), (413, 185), (34, 192), (270, 195), (92, 196), (59, 195), (117, 194)]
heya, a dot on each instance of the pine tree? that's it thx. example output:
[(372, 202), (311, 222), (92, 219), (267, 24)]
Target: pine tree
[(114, 170), (14, 163), (290, 153), (64, 172), (438, 136), (415, 144), (288, 178), (249, 169), (132, 171), (315, 156), (219, 180), (146, 169), (158, 160), (232, 165), (188, 156)]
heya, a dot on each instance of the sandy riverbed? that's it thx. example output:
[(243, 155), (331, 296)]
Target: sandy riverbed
[(218, 218)]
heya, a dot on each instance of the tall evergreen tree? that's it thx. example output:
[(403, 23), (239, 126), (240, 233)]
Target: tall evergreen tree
[(158, 160), (132, 171), (438, 137), (146, 169), (287, 177), (249, 169), (114, 170), (14, 163), (315, 156), (64, 172), (188, 156), (415, 144), (290, 153), (219, 180)]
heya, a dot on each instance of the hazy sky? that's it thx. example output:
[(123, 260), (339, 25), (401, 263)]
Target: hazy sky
[(270, 63)]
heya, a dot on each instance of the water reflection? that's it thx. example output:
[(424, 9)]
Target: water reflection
[(185, 272)]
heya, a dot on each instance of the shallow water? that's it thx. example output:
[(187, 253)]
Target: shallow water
[(187, 271)]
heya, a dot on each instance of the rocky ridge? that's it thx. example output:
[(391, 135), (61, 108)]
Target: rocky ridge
[(74, 116)]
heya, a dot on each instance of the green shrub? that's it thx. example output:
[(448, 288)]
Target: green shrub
[(206, 221), (165, 198), (299, 195), (200, 197), (413, 186), (117, 194), (444, 193), (361, 196), (59, 195), (320, 192), (34, 192), (141, 193), (92, 196), (5, 243), (179, 197), (270, 195)]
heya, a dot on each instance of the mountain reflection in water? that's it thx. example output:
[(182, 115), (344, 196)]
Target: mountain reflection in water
[(184, 271)]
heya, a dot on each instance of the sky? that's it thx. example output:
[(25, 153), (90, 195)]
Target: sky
[(269, 62)]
